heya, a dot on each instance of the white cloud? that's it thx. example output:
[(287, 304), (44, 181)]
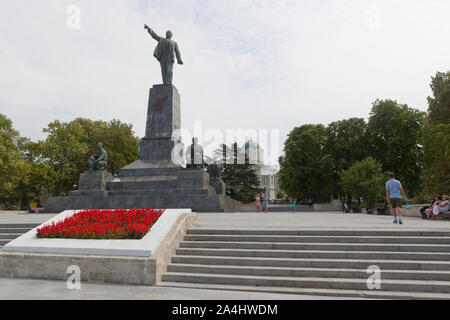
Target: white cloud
[(248, 64)]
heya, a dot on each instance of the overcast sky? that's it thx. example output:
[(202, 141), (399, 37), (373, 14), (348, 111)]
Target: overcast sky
[(262, 64)]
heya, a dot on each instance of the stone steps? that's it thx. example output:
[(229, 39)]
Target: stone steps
[(314, 263), (312, 292), (4, 241), (414, 264), (143, 185), (382, 233), (11, 231), (15, 230), (306, 282), (315, 246), (428, 275), (320, 239), (156, 192), (320, 254), (26, 226), (10, 236)]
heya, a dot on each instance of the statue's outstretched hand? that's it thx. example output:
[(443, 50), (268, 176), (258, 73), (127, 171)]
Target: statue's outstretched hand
[(180, 62), (146, 27)]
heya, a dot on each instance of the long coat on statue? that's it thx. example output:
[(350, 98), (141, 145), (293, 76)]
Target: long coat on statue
[(166, 50)]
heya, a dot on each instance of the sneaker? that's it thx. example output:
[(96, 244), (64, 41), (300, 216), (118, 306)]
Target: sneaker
[(395, 222), (400, 222)]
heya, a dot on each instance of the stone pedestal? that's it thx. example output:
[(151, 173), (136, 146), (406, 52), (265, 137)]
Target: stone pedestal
[(219, 187), (94, 181), (163, 119), (92, 184)]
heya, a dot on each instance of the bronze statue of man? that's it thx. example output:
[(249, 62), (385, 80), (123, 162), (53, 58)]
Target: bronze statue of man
[(99, 161), (165, 53), (194, 155)]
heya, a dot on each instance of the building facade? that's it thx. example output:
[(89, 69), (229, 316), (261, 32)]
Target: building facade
[(267, 175)]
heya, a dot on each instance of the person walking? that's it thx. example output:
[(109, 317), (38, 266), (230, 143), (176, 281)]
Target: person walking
[(394, 193), (265, 203), (258, 203), (343, 205), (293, 206)]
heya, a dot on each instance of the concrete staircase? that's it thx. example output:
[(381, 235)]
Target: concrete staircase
[(414, 264), (9, 232)]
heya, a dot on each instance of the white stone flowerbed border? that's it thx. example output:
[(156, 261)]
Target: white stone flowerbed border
[(28, 242), (140, 262)]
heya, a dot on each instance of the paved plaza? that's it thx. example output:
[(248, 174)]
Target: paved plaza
[(316, 221), (41, 289), (23, 289), (283, 221)]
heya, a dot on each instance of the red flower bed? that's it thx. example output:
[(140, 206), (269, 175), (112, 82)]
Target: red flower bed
[(103, 224)]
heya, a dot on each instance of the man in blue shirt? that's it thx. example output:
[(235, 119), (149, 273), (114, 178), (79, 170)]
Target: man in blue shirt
[(394, 193)]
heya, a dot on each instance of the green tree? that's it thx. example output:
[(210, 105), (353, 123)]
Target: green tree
[(119, 140), (436, 173), (439, 103), (395, 139), (346, 143), (306, 169), (60, 158), (13, 168), (364, 179), (239, 176)]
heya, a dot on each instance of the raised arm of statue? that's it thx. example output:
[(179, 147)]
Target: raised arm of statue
[(178, 54), (152, 33)]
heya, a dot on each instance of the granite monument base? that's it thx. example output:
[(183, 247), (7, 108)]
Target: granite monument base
[(142, 186), (156, 180)]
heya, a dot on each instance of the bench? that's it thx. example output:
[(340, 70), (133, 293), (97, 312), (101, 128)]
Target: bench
[(443, 216), (34, 208)]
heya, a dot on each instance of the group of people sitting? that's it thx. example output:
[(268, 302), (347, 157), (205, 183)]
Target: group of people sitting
[(439, 205)]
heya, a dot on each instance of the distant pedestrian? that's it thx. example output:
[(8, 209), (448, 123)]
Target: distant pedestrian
[(258, 203), (394, 193), (293, 206), (343, 205), (265, 203)]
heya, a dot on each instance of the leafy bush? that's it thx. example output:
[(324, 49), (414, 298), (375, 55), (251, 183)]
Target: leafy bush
[(365, 179)]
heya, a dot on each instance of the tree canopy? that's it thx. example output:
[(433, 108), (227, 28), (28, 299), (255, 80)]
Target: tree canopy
[(439, 103), (365, 179), (306, 169), (316, 156), (345, 143), (395, 139), (436, 174), (13, 169), (62, 156), (239, 176)]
